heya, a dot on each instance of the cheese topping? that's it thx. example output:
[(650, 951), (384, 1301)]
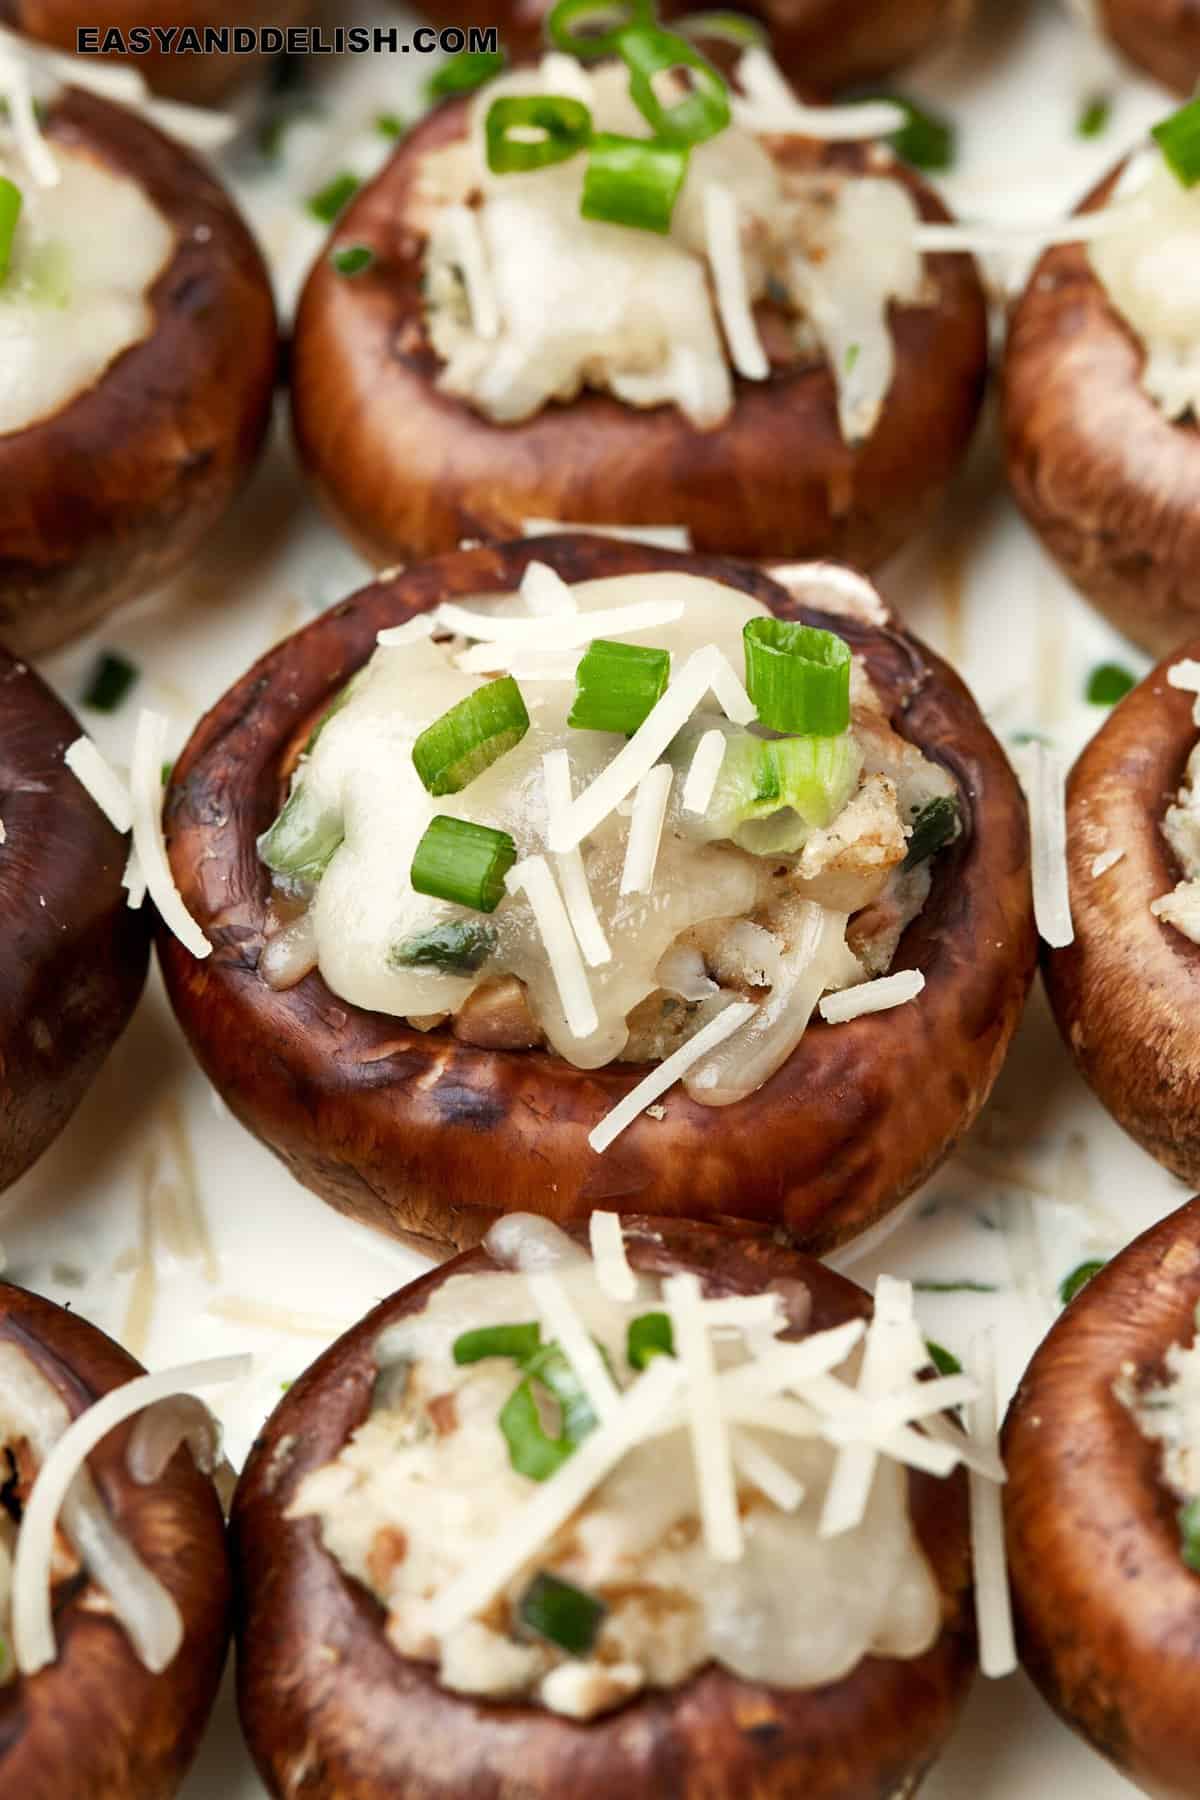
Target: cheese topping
[(573, 303), (1181, 828), (87, 251), (620, 893)]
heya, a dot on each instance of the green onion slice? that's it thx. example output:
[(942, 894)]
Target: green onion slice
[(562, 1614), (390, 125), (459, 947), (771, 793), (926, 139), (1094, 116), (617, 686), (1078, 1278), (10, 212), (468, 739), (302, 840), (355, 259), (798, 677), (701, 113), (464, 863), (333, 199), (943, 1360), (108, 684), (531, 1448), (725, 28), (588, 28), (935, 826), (518, 1341), (649, 1336), (1108, 683), (1178, 137), (465, 72), (565, 126), (632, 181), (1189, 1534)]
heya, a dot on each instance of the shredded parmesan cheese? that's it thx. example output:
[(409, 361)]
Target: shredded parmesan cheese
[(854, 1472), (564, 1323), (581, 910), (872, 996), (831, 587), (766, 1473), (16, 90), (610, 1258), (569, 631), (48, 71), (993, 1603), (703, 773), (723, 247), (145, 779), (1043, 778), (669, 1072), (659, 537), (133, 881), (102, 782), (466, 242), (545, 593), (1080, 228), (715, 1481), (532, 878), (413, 631), (645, 829), (1108, 859), (770, 105)]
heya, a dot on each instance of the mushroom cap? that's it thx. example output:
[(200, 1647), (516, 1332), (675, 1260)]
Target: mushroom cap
[(321, 1690), (1110, 485), (1108, 1613), (75, 954), (200, 79), (1161, 36), (421, 1135), (111, 494), (409, 471), (96, 1724), (1126, 993)]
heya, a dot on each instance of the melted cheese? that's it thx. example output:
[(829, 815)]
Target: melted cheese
[(86, 252), (1150, 270), (1181, 828)]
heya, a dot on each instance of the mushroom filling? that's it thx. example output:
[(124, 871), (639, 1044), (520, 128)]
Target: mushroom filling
[(591, 852), (528, 301), (706, 1535), (1181, 828), (1167, 1411), (81, 256)]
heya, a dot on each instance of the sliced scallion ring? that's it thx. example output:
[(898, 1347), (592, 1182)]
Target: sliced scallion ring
[(632, 181), (462, 862), (701, 113), (1178, 137), (468, 739), (10, 212), (648, 1336), (725, 28), (565, 126), (517, 1341), (532, 1450), (562, 1614), (617, 686), (797, 676), (588, 28)]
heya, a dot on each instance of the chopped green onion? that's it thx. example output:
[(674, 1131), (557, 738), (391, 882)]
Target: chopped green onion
[(355, 259), (700, 113), (565, 125), (632, 181), (10, 212), (926, 139), (935, 826), (954, 1287), (617, 686), (465, 863), (944, 1361), (165, 772), (1108, 683), (772, 792), (649, 1336), (466, 72), (1078, 1278), (468, 739), (302, 840), (1094, 117), (459, 947), (853, 352), (531, 1449), (333, 199), (562, 1614), (518, 1341), (798, 677), (108, 684), (725, 28), (567, 24), (1189, 1534), (390, 125), (1179, 140), (814, 776)]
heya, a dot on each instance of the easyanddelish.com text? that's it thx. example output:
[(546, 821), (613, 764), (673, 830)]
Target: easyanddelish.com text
[(276, 40)]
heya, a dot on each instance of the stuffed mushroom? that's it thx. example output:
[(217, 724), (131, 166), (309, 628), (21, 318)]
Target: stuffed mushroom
[(468, 934), (544, 1523), (114, 1604), (74, 955), (1126, 993), (139, 350), (540, 311), (1101, 377), (1102, 1446)]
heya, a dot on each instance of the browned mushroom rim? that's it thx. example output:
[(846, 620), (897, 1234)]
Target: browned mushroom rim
[(288, 1576)]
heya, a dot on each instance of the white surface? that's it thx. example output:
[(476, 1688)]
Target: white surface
[(1046, 1179)]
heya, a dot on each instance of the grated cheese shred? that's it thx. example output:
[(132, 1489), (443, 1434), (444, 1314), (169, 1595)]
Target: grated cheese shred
[(563, 1322), (101, 781), (704, 772), (533, 878), (1043, 777), (668, 1072), (993, 1602), (723, 246), (545, 593), (577, 895), (645, 829), (611, 1260), (715, 1483), (145, 780), (880, 995)]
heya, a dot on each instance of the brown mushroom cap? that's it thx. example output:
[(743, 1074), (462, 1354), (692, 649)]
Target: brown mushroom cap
[(1126, 993), (420, 1134), (200, 79), (321, 1690), (74, 956), (96, 1724), (1110, 485), (1108, 1613), (409, 471), (111, 494), (1161, 36)]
